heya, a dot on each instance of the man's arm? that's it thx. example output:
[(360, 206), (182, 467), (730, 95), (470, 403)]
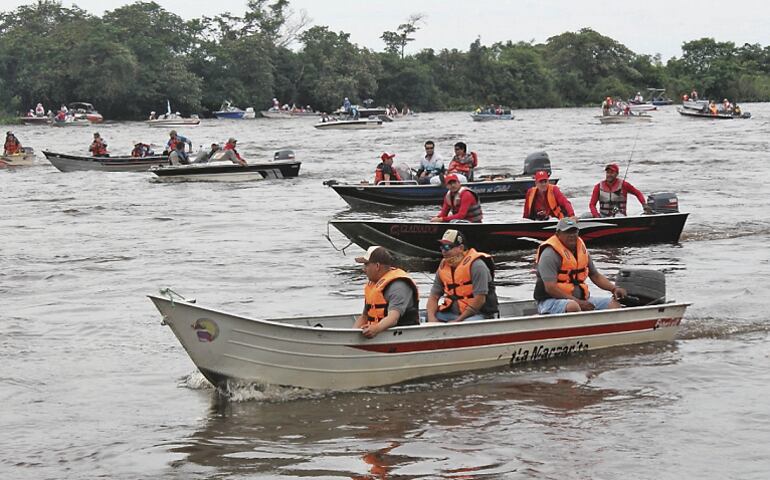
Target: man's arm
[(441, 217), (563, 202), (432, 307), (605, 284), (473, 307), (593, 201), (637, 193)]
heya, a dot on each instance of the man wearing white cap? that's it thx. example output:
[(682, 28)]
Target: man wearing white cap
[(563, 264), (390, 296), (465, 278)]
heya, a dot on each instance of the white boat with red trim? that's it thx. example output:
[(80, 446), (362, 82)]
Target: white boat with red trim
[(326, 353)]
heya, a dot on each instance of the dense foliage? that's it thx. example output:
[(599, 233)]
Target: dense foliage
[(134, 58)]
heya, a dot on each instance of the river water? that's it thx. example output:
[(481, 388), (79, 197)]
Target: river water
[(94, 386)]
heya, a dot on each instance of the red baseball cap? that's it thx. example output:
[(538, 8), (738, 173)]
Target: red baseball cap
[(613, 167), (451, 178), (387, 156), (541, 175)]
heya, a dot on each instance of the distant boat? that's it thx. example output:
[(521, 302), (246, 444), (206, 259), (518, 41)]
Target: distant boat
[(288, 114), (85, 110), (722, 115), (35, 120), (249, 113), (71, 122), (333, 124), (614, 119), (228, 111), (487, 117), (172, 119)]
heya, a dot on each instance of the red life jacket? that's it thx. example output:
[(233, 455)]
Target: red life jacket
[(474, 214)]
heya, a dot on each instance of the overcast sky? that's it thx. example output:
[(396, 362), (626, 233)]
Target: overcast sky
[(647, 27)]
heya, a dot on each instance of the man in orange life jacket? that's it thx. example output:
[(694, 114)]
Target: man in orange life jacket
[(390, 296), (385, 172), (563, 264), (98, 147), (612, 195), (545, 200), (462, 202), (12, 144), (465, 278)]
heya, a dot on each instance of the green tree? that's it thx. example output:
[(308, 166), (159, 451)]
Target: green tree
[(395, 42)]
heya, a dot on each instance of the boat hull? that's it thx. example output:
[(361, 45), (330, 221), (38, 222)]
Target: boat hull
[(349, 125), (617, 119), (18, 160), (177, 122), (325, 353), (482, 117), (229, 115), (686, 112), (74, 163), (227, 172), (285, 115), (420, 239), (368, 195)]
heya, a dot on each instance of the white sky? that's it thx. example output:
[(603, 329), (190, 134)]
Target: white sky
[(646, 27)]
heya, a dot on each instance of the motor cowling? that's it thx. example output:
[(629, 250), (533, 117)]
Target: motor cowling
[(663, 202), (537, 161), (284, 155), (642, 286)]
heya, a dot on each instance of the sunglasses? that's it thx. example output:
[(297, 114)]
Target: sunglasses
[(445, 247)]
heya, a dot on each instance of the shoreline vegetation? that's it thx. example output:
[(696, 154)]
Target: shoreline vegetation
[(132, 59)]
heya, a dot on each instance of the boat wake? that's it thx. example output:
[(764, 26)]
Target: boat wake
[(251, 392)]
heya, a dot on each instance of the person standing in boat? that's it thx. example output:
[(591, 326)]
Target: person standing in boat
[(465, 279), (612, 194), (175, 138), (98, 147), (694, 95), (544, 200), (431, 165), (463, 163), (12, 145), (390, 296), (562, 265), (463, 202), (385, 173), (230, 153)]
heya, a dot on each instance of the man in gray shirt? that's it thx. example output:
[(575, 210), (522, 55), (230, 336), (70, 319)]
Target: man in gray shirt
[(465, 279), (563, 265), (390, 296)]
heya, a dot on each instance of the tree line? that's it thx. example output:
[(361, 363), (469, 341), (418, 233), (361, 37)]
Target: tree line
[(132, 59)]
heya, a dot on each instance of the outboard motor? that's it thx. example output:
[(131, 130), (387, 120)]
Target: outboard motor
[(537, 161), (283, 155), (644, 287), (663, 202)]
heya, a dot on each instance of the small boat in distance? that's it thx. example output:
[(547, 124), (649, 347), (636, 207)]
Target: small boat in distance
[(630, 118), (85, 110), (172, 119), (486, 117), (283, 166), (332, 123), (228, 111)]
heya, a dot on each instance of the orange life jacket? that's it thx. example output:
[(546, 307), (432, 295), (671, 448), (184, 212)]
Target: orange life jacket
[(554, 210), (458, 283), (379, 176), (573, 271), (376, 306), (98, 148)]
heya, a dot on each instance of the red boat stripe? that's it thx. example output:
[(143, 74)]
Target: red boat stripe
[(587, 235), (586, 331)]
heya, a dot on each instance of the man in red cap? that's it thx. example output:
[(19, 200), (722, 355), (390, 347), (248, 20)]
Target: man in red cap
[(385, 172), (545, 200), (461, 201), (611, 193)]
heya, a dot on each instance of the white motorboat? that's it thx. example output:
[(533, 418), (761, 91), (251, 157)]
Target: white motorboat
[(361, 124), (24, 158)]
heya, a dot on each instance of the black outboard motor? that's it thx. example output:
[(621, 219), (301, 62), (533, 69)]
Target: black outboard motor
[(643, 287), (283, 155), (663, 202), (537, 161)]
